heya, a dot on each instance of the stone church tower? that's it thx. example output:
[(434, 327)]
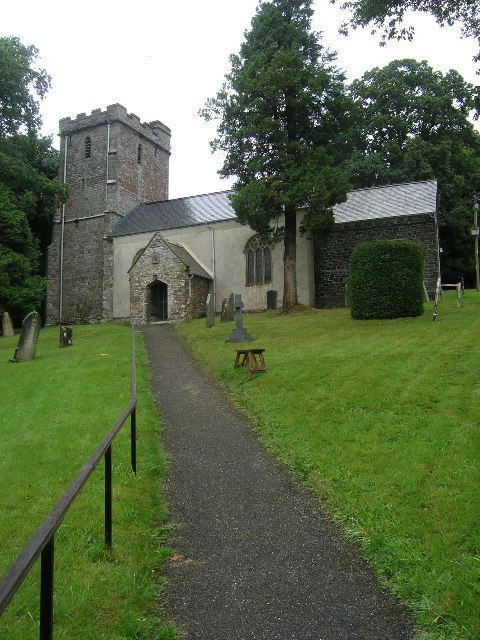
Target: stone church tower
[(110, 161)]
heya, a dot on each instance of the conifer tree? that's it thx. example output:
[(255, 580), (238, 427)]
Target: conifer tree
[(283, 115)]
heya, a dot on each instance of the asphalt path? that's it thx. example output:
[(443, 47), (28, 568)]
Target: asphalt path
[(256, 556)]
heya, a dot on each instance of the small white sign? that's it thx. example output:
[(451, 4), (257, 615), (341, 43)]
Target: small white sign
[(475, 231)]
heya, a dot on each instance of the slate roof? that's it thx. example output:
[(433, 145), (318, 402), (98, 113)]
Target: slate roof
[(188, 260), (173, 214), (410, 198), (405, 199)]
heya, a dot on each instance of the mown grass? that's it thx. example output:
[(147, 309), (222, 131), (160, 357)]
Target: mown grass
[(381, 420), (54, 411)]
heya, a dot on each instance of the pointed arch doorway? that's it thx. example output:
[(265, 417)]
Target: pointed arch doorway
[(157, 301)]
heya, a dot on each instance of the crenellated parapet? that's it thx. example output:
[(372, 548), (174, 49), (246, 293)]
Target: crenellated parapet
[(155, 131)]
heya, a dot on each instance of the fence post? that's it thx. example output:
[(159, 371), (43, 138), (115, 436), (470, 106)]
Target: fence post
[(46, 591), (133, 439), (133, 415), (108, 497)]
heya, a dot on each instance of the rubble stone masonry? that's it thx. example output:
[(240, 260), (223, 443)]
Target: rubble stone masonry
[(332, 253), (186, 298), (102, 189)]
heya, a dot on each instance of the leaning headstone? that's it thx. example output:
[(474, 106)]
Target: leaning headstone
[(27, 343), (271, 300), (210, 315), (228, 312), (239, 334), (425, 292), (66, 336), (437, 298), (7, 326)]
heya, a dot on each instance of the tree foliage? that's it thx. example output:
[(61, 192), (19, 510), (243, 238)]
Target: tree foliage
[(388, 16), (283, 114), (29, 189), (21, 87), (413, 124)]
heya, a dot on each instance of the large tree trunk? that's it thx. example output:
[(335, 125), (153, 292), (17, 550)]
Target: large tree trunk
[(289, 260)]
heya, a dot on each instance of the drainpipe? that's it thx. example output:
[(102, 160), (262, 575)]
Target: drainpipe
[(106, 178), (437, 232), (213, 265), (438, 245), (62, 214)]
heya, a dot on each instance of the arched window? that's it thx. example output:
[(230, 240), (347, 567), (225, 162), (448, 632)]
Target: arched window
[(258, 262), (88, 147), (139, 154)]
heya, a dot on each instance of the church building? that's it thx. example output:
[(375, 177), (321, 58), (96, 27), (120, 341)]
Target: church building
[(122, 249)]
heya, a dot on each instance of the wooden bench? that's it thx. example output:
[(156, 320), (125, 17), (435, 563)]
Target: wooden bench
[(250, 357)]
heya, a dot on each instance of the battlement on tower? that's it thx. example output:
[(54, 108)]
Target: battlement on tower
[(155, 131)]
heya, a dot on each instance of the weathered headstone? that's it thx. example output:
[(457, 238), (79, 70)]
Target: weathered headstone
[(7, 326), (425, 292), (437, 298), (239, 334), (210, 315), (66, 336), (27, 343), (228, 312), (271, 300)]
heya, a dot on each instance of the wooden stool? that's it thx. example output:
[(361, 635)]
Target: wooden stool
[(250, 357)]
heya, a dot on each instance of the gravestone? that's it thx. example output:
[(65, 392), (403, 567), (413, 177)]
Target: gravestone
[(437, 298), (27, 343), (228, 312), (210, 315), (239, 334), (7, 326), (66, 336), (271, 300)]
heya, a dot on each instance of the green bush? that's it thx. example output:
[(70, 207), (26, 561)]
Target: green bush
[(386, 280)]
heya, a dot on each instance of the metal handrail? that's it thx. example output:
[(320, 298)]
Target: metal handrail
[(42, 541)]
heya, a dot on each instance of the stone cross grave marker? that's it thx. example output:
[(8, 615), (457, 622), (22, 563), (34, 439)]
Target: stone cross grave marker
[(7, 326), (228, 311), (210, 316), (239, 334), (66, 336), (27, 343)]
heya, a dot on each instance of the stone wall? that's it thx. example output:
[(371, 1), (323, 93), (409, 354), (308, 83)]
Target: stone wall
[(158, 262), (186, 297), (332, 253), (196, 306), (82, 271), (102, 188)]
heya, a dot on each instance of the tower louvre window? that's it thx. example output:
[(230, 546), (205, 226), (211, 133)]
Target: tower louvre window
[(139, 154), (88, 147)]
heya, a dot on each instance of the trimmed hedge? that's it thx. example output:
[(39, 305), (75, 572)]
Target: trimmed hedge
[(386, 280)]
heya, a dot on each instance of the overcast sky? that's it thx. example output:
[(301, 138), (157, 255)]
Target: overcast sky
[(162, 59)]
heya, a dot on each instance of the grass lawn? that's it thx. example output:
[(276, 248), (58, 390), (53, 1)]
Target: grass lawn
[(381, 420), (54, 411)]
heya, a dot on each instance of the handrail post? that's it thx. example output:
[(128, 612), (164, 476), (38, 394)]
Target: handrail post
[(108, 497), (133, 415), (42, 541), (133, 439), (46, 591)]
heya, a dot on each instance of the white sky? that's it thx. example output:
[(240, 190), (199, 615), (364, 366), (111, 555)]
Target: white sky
[(162, 59)]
